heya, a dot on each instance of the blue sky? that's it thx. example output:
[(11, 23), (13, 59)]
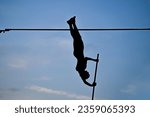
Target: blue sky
[(40, 65)]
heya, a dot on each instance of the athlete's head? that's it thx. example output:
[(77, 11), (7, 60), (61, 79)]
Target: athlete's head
[(84, 75)]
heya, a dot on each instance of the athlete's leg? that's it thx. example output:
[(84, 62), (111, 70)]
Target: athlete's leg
[(77, 43), (72, 30), (70, 22), (76, 30)]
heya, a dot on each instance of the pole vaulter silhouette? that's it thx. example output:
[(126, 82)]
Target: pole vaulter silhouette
[(79, 53)]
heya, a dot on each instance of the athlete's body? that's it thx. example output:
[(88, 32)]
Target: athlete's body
[(79, 52)]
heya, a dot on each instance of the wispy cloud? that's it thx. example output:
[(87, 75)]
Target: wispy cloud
[(18, 63), (130, 89), (67, 43), (44, 78), (14, 93), (56, 92)]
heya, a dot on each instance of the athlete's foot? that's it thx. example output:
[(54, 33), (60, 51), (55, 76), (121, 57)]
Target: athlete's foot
[(71, 20)]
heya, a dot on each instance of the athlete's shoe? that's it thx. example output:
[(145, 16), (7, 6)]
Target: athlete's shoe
[(71, 20)]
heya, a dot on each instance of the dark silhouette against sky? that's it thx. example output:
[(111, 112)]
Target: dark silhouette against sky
[(79, 52)]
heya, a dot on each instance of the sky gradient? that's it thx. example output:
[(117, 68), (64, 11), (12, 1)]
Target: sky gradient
[(41, 65)]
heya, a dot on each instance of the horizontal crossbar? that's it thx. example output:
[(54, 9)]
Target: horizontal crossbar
[(86, 29)]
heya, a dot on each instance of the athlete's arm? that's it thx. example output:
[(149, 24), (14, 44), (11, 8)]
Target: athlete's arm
[(95, 60), (87, 83)]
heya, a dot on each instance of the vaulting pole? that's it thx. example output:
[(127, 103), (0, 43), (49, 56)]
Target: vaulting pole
[(95, 76)]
